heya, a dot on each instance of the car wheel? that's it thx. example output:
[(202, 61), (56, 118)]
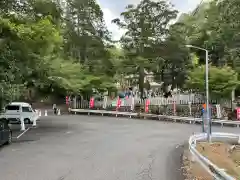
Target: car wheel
[(27, 121), (9, 141)]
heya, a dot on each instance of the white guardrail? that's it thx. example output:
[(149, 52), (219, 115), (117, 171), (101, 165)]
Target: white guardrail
[(211, 168), (190, 120)]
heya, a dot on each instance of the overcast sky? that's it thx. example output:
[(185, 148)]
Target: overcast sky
[(112, 9)]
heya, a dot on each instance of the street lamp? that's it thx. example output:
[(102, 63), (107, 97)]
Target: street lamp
[(207, 90)]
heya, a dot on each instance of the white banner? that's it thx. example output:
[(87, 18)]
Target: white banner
[(105, 102), (218, 108), (190, 108), (132, 103)]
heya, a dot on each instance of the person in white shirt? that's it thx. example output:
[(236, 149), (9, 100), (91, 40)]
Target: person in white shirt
[(55, 108)]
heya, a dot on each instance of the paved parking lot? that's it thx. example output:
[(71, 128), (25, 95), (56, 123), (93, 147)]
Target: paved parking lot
[(97, 148)]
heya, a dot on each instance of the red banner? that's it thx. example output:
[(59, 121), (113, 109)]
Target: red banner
[(118, 103), (238, 113), (91, 103), (147, 105), (67, 100)]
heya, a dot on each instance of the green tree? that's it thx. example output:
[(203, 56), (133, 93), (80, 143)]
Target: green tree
[(85, 31), (173, 70), (221, 81), (214, 26), (42, 41), (145, 25), (25, 49)]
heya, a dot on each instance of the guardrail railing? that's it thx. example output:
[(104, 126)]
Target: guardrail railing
[(190, 120), (211, 168)]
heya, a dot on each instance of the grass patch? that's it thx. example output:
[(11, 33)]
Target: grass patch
[(192, 170), (223, 155)]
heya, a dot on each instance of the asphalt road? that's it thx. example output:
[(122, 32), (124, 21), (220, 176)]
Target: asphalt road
[(97, 148)]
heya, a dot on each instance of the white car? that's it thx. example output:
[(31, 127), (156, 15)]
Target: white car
[(15, 110)]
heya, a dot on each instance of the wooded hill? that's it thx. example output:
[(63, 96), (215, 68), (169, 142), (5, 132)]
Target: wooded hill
[(65, 48)]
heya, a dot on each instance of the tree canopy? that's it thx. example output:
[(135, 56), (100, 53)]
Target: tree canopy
[(221, 80), (66, 48)]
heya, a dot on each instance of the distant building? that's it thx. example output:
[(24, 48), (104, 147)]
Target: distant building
[(132, 80)]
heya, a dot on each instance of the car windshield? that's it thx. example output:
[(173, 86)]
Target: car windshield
[(26, 109), (12, 108)]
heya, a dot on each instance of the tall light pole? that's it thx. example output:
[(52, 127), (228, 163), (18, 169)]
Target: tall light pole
[(207, 90), (1, 99), (2, 94)]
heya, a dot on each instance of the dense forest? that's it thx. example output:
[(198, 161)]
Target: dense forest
[(64, 47)]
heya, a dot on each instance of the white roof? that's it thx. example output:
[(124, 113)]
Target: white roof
[(20, 104)]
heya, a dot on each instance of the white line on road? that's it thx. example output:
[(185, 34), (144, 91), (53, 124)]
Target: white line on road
[(23, 133)]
